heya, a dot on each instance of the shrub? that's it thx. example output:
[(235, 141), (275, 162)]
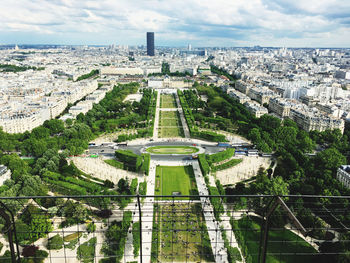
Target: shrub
[(146, 163), (55, 242), (115, 163), (29, 251), (38, 257), (91, 227), (104, 213), (131, 160), (86, 251), (227, 165), (216, 202), (108, 183), (203, 164), (143, 188), (136, 238), (221, 156)]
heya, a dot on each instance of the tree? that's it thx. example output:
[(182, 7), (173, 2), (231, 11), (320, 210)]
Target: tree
[(40, 133), (269, 123), (55, 126), (39, 226), (254, 135), (330, 159), (123, 186)]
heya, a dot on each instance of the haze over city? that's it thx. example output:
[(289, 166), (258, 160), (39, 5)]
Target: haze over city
[(290, 23)]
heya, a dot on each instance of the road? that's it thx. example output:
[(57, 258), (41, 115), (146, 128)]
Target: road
[(108, 151)]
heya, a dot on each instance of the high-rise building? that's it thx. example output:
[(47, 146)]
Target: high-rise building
[(189, 47), (150, 43)]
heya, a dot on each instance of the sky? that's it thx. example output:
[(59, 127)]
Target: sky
[(202, 23)]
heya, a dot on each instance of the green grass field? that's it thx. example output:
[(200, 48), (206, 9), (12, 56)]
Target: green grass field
[(172, 150), (167, 101), (169, 122), (170, 132), (189, 243), (280, 241), (169, 114), (170, 179), (170, 125)]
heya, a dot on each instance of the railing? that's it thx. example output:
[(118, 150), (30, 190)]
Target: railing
[(244, 228)]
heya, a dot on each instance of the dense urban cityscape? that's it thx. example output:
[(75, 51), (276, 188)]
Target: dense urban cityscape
[(222, 135)]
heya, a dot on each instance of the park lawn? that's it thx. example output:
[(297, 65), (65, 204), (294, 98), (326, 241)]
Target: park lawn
[(171, 179), (169, 122), (169, 114), (115, 163), (169, 125), (280, 241), (172, 150), (167, 101), (72, 237), (165, 132), (189, 243)]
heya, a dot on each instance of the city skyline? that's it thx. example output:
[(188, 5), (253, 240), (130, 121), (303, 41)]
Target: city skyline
[(205, 24)]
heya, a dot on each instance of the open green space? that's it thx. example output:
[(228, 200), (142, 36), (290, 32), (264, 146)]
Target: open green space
[(167, 101), (175, 180), (169, 114), (169, 122), (172, 149), (166, 132), (188, 243), (170, 125), (283, 245), (72, 237)]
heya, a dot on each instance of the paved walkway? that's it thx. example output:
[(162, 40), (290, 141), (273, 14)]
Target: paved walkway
[(215, 235), (147, 215), (156, 118), (182, 117), (99, 169), (244, 170)]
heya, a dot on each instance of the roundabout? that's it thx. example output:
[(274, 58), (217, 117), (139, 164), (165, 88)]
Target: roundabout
[(172, 150)]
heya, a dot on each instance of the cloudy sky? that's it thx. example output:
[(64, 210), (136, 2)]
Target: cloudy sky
[(291, 23)]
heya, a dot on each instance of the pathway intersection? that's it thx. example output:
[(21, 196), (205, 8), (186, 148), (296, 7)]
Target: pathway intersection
[(214, 232)]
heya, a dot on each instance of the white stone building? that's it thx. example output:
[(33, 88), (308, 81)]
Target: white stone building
[(343, 175)]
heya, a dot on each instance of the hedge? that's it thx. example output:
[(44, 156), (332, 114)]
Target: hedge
[(226, 165), (145, 163), (131, 160), (216, 202), (240, 240), (115, 163), (133, 186), (232, 252), (203, 164), (143, 188), (136, 238), (86, 185), (210, 136), (221, 156)]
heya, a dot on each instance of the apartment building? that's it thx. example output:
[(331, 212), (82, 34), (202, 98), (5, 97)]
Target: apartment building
[(238, 96), (256, 109), (343, 175), (280, 106)]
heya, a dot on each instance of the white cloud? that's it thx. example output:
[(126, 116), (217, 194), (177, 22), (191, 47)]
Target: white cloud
[(205, 22)]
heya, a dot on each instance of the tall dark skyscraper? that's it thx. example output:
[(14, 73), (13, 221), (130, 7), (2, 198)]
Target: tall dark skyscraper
[(150, 43)]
